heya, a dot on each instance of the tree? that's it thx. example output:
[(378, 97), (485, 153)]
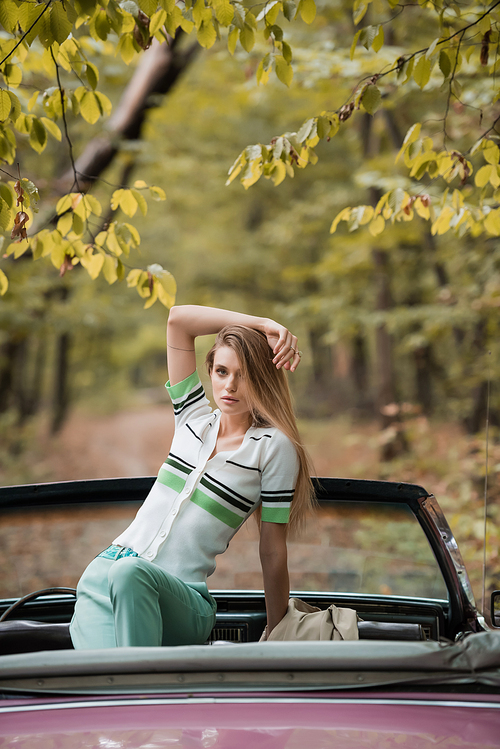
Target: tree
[(452, 51), (54, 40)]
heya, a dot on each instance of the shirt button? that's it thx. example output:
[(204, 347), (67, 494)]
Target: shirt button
[(174, 512), (163, 534), (150, 554)]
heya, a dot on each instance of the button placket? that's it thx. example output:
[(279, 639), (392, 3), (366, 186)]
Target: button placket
[(189, 487)]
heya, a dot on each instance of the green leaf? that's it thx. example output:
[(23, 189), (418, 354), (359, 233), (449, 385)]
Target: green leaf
[(284, 70), (16, 106), (38, 135), (224, 11), (371, 98), (247, 38), (60, 25), (378, 41), (287, 51), (90, 107), (13, 75), (92, 75), (5, 105), (4, 283), (444, 63), (367, 35), (206, 34), (307, 10), (422, 71), (148, 6), (104, 102), (232, 39), (157, 21), (354, 42), (289, 9), (51, 126), (323, 127), (8, 16)]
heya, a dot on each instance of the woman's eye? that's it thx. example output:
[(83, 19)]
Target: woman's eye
[(221, 371)]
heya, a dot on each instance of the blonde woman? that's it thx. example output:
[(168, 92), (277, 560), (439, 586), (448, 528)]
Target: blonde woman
[(149, 587)]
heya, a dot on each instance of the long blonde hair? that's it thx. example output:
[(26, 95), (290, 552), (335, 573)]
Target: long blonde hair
[(270, 404)]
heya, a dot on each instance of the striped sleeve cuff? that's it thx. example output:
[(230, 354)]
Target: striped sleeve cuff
[(186, 393), (276, 506)]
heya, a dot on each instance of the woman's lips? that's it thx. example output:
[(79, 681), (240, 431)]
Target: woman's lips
[(227, 399)]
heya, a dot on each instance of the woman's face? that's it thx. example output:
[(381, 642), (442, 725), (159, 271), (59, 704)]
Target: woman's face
[(229, 387)]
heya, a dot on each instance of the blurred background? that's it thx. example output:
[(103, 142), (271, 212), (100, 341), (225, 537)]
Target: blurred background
[(399, 332)]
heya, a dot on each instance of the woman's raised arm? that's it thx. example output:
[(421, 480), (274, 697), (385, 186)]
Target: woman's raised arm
[(186, 323)]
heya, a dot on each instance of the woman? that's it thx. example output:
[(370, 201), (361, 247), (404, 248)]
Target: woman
[(149, 587)]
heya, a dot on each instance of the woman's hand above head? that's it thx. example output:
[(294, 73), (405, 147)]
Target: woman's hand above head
[(283, 344)]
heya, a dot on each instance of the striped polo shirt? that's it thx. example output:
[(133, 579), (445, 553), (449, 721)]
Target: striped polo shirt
[(196, 505)]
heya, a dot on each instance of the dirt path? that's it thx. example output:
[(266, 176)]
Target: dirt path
[(129, 443)]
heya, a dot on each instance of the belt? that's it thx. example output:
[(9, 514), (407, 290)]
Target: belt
[(117, 552)]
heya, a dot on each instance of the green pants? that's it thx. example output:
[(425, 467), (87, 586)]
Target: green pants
[(130, 601)]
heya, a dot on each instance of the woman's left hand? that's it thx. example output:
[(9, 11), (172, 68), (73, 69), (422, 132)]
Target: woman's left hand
[(284, 346)]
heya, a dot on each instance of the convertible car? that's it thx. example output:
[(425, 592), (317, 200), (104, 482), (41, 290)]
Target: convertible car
[(425, 670)]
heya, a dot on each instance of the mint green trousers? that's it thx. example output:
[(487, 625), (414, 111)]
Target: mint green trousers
[(132, 602)]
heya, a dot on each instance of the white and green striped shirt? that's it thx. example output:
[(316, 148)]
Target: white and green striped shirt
[(196, 505)]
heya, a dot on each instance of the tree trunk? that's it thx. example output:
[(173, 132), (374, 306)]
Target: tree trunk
[(157, 72), (61, 382)]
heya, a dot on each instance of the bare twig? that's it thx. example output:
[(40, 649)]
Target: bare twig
[(65, 123), (450, 92)]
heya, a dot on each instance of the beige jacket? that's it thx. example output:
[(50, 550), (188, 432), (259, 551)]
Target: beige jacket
[(305, 622)]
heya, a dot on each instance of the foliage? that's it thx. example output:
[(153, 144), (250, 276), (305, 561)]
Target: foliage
[(56, 39), (450, 156)]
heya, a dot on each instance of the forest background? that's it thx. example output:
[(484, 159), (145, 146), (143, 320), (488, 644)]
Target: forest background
[(396, 310)]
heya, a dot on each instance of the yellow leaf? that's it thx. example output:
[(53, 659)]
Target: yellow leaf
[(232, 39), (247, 38), (152, 297), (5, 105), (307, 10), (51, 126), (141, 201), (4, 283), (278, 173), (112, 242), (134, 277), (284, 70), (342, 216), (442, 224), (125, 200), (90, 107), (109, 269), (376, 226), (492, 222), (65, 223), (157, 193), (93, 263), (139, 184), (411, 136), (491, 153), (57, 254), (483, 175)]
